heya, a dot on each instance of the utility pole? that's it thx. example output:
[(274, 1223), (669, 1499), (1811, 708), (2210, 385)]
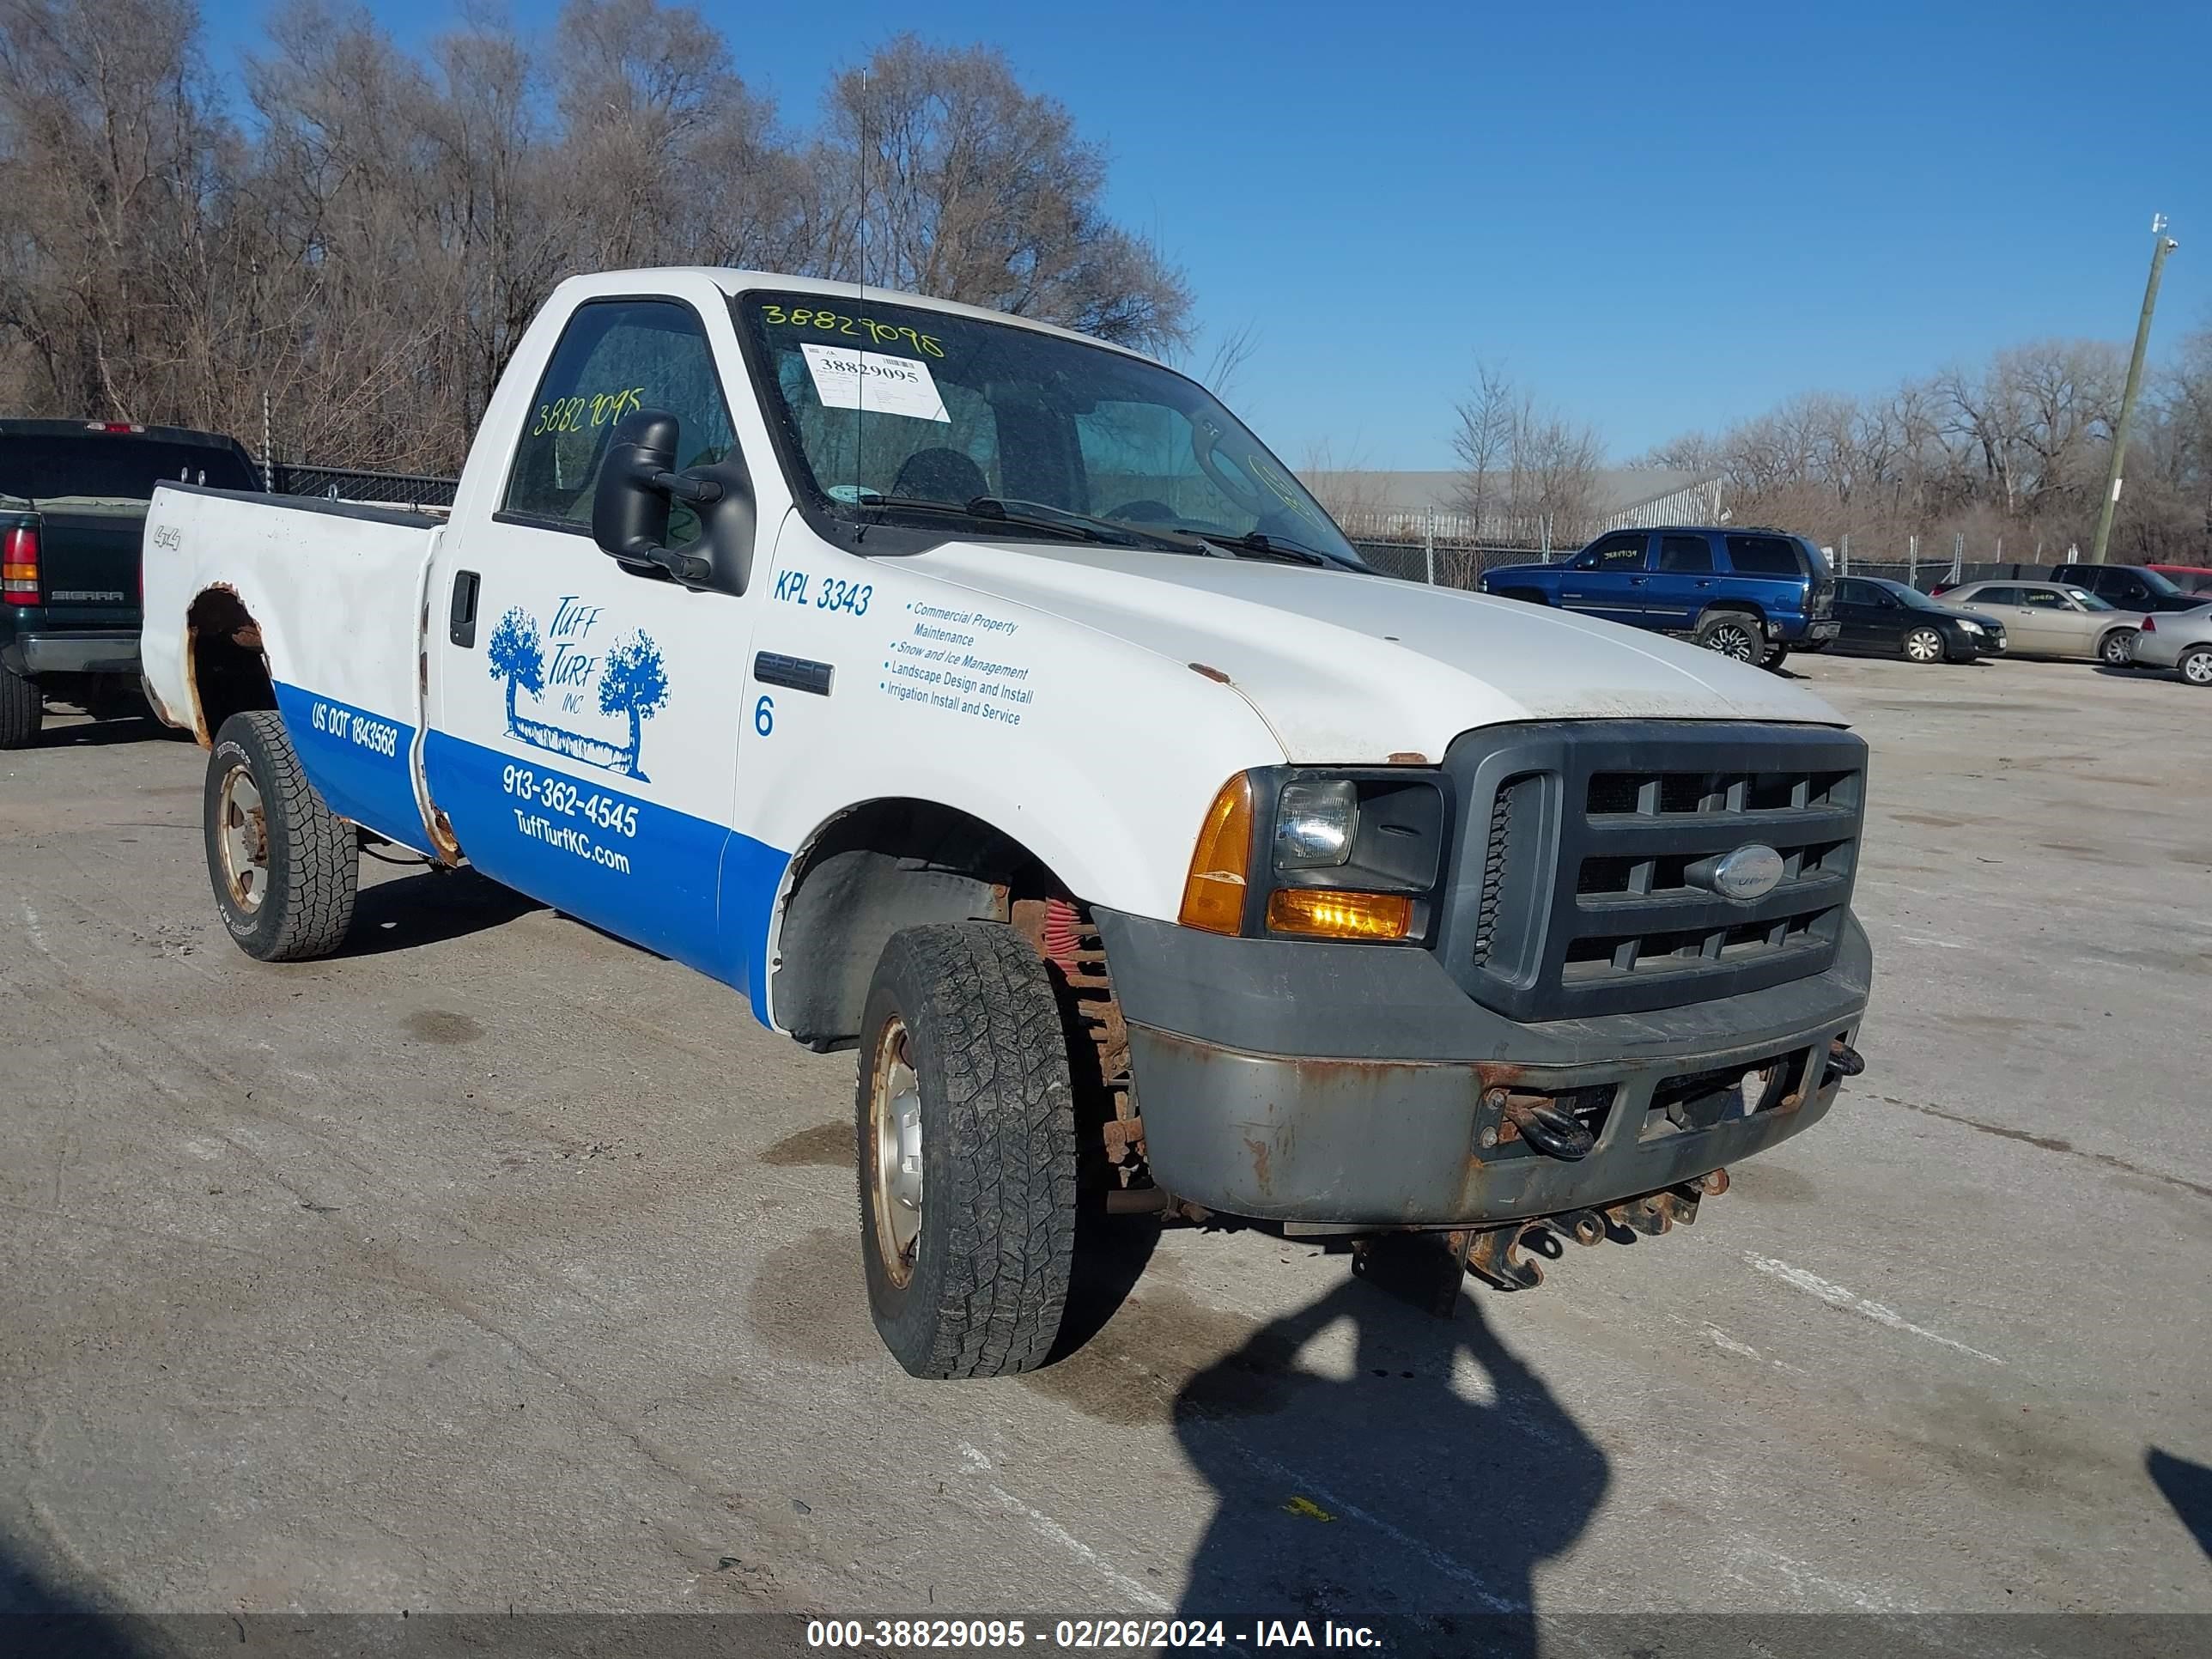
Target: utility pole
[(2164, 245)]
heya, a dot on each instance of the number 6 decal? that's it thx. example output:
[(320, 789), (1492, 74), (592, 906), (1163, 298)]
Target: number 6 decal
[(764, 716)]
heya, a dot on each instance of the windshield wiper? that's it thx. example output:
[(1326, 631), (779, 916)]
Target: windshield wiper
[(1036, 515), (1275, 547)]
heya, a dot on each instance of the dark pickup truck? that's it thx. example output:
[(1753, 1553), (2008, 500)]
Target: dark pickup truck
[(2130, 587), (1752, 595), (73, 498)]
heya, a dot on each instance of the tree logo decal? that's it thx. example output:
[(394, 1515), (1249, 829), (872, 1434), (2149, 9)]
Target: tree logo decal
[(629, 678)]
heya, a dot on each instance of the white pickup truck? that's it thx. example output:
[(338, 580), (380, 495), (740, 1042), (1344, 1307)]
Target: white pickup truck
[(990, 699)]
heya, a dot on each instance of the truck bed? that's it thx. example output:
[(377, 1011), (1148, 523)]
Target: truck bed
[(336, 590)]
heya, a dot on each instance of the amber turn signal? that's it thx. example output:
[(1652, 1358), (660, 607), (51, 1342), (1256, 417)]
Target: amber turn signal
[(1326, 914), (1213, 895)]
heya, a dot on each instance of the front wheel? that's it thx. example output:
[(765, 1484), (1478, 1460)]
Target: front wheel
[(2196, 665), (2118, 648), (1734, 637), (1923, 645), (284, 866), (1775, 657), (966, 1130)]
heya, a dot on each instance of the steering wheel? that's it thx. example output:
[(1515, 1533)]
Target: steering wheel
[(1144, 511)]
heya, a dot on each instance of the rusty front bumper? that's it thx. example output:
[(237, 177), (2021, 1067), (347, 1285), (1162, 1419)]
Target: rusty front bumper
[(1345, 1140), (1428, 1144)]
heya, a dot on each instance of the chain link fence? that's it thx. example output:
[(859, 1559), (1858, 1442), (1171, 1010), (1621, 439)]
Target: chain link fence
[(349, 483), (1441, 564)]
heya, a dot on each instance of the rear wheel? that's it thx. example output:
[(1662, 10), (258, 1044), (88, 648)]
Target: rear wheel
[(2118, 648), (2196, 665), (1923, 645), (22, 710), (1733, 634), (966, 1130), (283, 866)]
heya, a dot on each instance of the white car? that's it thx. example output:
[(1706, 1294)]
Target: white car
[(990, 700), (2181, 641)]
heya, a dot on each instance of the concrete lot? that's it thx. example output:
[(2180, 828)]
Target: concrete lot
[(495, 1263)]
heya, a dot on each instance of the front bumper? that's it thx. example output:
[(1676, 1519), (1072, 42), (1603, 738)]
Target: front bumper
[(85, 651), (1356, 1086)]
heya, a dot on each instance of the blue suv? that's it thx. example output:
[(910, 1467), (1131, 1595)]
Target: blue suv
[(1747, 594)]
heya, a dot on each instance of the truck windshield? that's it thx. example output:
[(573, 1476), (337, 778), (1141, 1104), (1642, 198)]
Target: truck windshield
[(905, 414), (112, 466)]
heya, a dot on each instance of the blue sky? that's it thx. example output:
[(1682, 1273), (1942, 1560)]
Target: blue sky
[(1659, 216)]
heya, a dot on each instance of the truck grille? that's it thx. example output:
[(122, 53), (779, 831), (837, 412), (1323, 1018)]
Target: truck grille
[(1580, 888)]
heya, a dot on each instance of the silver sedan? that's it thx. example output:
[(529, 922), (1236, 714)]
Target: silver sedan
[(2181, 641), (2053, 619)]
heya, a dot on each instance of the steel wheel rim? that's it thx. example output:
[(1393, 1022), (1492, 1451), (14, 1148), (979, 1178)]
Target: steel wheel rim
[(894, 1152), (1732, 642), (242, 832), (2197, 668), (1922, 646)]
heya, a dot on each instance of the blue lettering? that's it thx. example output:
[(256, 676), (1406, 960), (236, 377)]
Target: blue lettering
[(569, 667), (571, 621)]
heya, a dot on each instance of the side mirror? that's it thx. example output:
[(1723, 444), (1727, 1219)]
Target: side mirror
[(630, 507), (630, 512)]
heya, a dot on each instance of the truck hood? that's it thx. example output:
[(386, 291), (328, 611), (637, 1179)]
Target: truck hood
[(1356, 669)]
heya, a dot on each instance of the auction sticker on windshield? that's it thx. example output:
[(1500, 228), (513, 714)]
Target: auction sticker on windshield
[(876, 380)]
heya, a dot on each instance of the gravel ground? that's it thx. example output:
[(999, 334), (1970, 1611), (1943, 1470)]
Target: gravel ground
[(495, 1264)]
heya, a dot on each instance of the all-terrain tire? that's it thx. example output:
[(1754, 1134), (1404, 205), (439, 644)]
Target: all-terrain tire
[(303, 902), (980, 1289), (22, 710)]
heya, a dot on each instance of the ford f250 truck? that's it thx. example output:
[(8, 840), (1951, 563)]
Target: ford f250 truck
[(989, 700)]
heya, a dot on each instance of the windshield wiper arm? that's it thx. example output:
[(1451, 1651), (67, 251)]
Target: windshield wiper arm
[(1275, 547), (1038, 515)]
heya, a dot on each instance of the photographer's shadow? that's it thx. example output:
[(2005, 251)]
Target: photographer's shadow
[(1389, 1495)]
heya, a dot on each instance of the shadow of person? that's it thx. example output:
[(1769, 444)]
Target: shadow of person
[(1399, 1494), (38, 1616), (2188, 1487)]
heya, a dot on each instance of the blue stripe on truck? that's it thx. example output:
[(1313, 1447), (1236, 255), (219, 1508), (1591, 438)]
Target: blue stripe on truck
[(691, 889), (357, 760)]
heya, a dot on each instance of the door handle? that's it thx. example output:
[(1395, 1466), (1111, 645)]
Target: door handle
[(461, 620), (1704, 581), (1638, 582)]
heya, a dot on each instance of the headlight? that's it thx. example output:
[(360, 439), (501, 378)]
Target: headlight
[(1971, 627), (1315, 820)]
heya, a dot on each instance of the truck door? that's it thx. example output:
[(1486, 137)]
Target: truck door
[(1607, 578), (1681, 584), (585, 716)]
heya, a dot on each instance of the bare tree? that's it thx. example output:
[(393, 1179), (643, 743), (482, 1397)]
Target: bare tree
[(368, 253), (1230, 353), (968, 187), (1483, 443)]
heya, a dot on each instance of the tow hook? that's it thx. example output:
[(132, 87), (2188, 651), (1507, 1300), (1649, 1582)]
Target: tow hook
[(1843, 1059), (1549, 1129)]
